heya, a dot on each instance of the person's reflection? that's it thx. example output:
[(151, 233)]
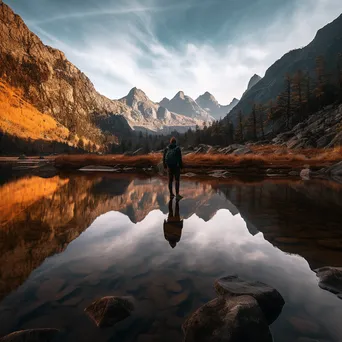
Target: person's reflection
[(173, 225)]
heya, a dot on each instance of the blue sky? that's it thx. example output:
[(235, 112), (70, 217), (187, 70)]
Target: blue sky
[(164, 46)]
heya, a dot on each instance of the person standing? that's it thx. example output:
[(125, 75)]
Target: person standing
[(172, 161)]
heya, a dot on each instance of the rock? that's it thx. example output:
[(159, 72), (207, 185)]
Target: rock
[(305, 174), (108, 311), (230, 149), (98, 168), (189, 174), (330, 279), (219, 174), (335, 170), (242, 151), (270, 300), (227, 320), (32, 335), (337, 141), (325, 140), (138, 152), (294, 173)]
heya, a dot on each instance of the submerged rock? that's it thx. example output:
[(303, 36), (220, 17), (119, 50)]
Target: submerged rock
[(228, 320), (108, 311), (32, 335), (330, 279), (270, 300), (219, 173)]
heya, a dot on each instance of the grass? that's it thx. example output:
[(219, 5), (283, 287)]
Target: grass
[(268, 158)]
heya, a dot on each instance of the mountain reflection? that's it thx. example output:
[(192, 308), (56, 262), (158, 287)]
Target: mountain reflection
[(41, 216)]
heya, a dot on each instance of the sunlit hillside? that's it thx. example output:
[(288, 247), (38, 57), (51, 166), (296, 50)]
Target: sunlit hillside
[(20, 119)]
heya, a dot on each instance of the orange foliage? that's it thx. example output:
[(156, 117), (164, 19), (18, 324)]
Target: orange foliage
[(21, 119)]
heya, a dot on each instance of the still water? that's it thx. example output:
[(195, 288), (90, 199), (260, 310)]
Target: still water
[(68, 240)]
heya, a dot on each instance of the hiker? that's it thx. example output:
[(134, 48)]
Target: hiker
[(172, 161), (173, 226)]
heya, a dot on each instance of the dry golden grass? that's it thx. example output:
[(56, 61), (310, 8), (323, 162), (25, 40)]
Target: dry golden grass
[(301, 158), (21, 119)]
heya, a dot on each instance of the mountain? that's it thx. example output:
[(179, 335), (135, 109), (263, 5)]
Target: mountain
[(152, 116), (253, 81), (185, 105), (326, 44), (208, 102), (44, 79), (49, 82)]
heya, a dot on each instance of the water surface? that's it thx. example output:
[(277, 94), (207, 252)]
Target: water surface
[(68, 240)]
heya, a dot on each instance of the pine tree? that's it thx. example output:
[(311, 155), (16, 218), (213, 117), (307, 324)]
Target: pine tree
[(298, 95), (239, 133), (284, 103), (261, 120), (271, 114)]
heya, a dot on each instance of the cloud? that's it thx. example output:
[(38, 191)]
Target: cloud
[(129, 52)]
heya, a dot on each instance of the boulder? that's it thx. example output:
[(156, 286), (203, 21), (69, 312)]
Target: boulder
[(219, 173), (108, 311), (335, 170), (32, 335), (330, 279), (242, 151), (305, 174), (139, 152), (269, 299), (227, 320)]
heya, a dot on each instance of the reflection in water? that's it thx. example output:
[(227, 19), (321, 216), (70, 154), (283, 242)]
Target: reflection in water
[(173, 225), (107, 231)]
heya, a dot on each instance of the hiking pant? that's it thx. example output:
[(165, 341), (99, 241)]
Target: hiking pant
[(174, 172)]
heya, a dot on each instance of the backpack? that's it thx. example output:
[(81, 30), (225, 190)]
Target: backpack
[(171, 157)]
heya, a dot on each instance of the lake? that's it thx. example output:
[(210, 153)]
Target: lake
[(70, 239)]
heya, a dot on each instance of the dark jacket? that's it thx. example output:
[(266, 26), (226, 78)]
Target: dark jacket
[(178, 153)]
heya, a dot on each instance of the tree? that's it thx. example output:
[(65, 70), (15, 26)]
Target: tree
[(253, 122), (80, 144), (284, 104), (298, 95), (239, 134), (261, 120), (321, 81), (271, 114)]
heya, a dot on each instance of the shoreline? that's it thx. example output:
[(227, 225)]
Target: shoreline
[(217, 165)]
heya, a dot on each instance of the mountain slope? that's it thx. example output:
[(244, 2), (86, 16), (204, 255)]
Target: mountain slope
[(20, 119), (208, 102), (48, 80), (327, 43), (183, 104)]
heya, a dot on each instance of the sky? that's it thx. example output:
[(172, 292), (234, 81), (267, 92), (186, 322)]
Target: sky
[(163, 46)]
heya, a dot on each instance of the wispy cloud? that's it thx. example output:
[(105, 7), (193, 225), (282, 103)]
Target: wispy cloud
[(131, 53)]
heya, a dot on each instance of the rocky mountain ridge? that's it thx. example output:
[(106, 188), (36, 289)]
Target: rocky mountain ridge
[(208, 102), (58, 88), (152, 116), (184, 104)]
